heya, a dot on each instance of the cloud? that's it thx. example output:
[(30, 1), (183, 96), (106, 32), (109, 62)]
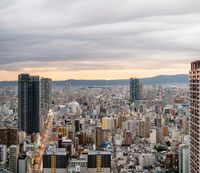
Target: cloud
[(78, 35)]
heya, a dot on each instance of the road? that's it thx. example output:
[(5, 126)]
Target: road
[(44, 140)]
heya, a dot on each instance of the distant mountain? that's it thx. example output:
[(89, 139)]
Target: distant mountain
[(161, 79), (166, 79)]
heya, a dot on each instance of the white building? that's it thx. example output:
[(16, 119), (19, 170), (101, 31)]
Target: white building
[(3, 154), (22, 164), (183, 158), (155, 135), (146, 160), (14, 152)]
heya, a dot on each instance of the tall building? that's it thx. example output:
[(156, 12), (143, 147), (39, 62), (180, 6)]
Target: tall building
[(45, 96), (3, 154), (194, 117), (29, 103), (134, 89), (144, 126), (77, 125), (13, 157), (98, 136), (183, 158), (99, 161)]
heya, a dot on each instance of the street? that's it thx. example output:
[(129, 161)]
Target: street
[(44, 140)]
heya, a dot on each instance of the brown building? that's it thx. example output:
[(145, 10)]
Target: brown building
[(171, 162), (127, 138), (165, 131), (9, 136), (194, 117), (98, 136)]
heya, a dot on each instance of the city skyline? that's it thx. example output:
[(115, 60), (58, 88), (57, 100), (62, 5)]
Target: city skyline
[(88, 40)]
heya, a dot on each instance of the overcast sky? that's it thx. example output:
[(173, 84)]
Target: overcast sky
[(96, 39)]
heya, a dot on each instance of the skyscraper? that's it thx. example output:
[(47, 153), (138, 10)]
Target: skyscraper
[(45, 94), (134, 89), (194, 117), (45, 99), (183, 158), (98, 136), (29, 103), (13, 156)]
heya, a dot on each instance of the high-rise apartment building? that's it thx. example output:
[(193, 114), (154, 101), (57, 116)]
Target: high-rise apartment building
[(194, 117), (134, 89), (29, 103), (183, 158), (13, 157)]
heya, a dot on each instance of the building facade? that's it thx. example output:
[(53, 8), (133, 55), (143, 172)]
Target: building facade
[(9, 136), (194, 117), (55, 161), (29, 118), (3, 154), (134, 89), (183, 158), (99, 161), (13, 157), (45, 96)]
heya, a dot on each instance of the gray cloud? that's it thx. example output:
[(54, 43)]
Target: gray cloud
[(103, 34)]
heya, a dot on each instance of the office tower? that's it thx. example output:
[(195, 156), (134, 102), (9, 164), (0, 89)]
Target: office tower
[(134, 89), (3, 154), (45, 96), (77, 125), (194, 117), (99, 161), (29, 103), (13, 157), (98, 136), (9, 136), (183, 158), (55, 160)]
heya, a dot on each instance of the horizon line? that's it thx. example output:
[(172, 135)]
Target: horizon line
[(100, 79)]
